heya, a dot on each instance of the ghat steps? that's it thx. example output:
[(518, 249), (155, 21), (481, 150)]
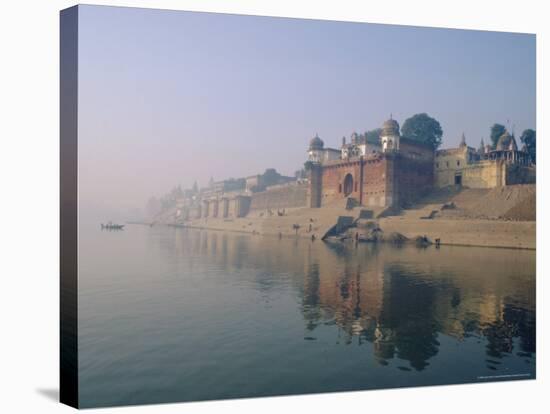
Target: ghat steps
[(515, 202)]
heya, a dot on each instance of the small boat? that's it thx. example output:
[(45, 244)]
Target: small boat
[(112, 226)]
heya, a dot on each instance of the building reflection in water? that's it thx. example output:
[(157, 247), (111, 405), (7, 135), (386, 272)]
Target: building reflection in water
[(402, 301)]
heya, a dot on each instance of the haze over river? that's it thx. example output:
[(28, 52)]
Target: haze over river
[(170, 314)]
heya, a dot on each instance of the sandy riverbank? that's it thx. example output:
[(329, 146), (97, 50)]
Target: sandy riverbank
[(299, 222), (316, 222), (486, 233)]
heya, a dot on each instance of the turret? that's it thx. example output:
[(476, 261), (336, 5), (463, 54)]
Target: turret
[(389, 137), (315, 152)]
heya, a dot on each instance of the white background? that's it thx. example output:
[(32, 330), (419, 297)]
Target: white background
[(29, 192)]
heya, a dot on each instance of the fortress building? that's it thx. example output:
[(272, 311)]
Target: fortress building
[(392, 172), (395, 172), (484, 167)]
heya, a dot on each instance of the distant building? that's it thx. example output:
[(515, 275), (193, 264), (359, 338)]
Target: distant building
[(318, 153), (393, 172), (484, 167), (396, 172), (358, 146), (270, 177), (232, 184)]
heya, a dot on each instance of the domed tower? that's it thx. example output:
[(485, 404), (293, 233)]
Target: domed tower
[(389, 137), (316, 146), (504, 141)]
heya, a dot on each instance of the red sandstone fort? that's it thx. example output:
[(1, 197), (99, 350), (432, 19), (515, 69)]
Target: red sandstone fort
[(392, 173)]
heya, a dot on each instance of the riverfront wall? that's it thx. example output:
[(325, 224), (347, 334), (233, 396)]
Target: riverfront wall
[(285, 196)]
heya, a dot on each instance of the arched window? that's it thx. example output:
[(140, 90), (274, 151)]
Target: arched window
[(348, 185)]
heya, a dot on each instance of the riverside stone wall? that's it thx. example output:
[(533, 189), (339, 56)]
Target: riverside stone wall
[(285, 196)]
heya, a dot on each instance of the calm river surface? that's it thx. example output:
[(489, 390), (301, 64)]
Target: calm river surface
[(169, 314)]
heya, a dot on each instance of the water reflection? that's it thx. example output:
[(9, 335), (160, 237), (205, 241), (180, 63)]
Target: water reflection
[(399, 299), (194, 315)]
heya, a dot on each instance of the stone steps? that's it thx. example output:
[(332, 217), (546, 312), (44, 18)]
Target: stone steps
[(311, 221)]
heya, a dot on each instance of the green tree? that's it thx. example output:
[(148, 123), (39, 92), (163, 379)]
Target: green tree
[(373, 136), (529, 139), (423, 128), (496, 132)]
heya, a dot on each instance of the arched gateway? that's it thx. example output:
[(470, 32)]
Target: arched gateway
[(348, 185)]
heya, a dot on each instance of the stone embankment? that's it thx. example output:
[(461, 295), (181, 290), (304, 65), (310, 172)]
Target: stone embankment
[(500, 217), (513, 202), (487, 233), (296, 222)]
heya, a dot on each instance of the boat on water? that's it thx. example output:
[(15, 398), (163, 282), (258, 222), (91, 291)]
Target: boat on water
[(112, 226)]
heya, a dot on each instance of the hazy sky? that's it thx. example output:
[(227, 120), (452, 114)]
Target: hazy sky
[(170, 97)]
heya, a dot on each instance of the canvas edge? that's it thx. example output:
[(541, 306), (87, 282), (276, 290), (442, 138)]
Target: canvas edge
[(68, 84)]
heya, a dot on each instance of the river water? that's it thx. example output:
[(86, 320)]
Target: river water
[(170, 314)]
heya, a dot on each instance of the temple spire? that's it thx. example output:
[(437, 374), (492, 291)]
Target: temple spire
[(463, 140)]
